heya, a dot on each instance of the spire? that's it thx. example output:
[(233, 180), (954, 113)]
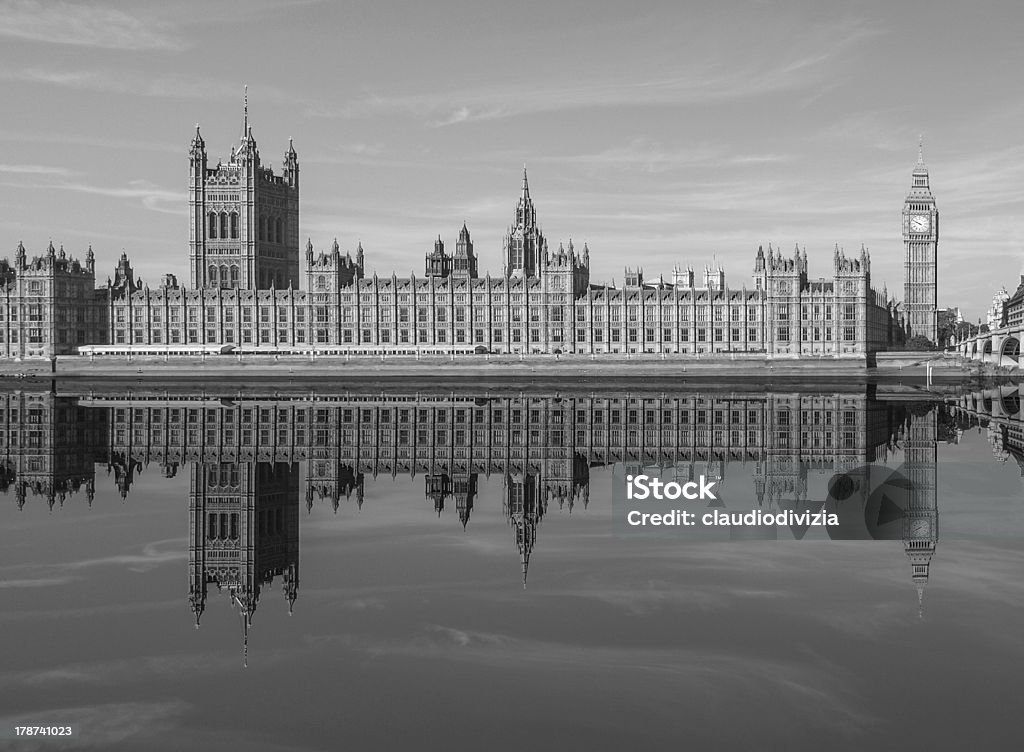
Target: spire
[(198, 145), (245, 609), (920, 187), (245, 641), (526, 185), (245, 111)]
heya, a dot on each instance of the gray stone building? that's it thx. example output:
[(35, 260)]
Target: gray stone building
[(245, 297)]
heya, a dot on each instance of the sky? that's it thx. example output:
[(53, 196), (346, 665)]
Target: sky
[(659, 133)]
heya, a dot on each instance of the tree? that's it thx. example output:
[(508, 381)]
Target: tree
[(920, 343)]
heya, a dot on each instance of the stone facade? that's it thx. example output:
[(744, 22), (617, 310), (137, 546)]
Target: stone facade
[(243, 219), (49, 305), (245, 294)]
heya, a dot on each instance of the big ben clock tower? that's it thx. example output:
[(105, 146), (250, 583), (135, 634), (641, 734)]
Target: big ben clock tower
[(920, 241)]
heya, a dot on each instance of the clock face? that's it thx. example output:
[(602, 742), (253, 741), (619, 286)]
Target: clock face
[(920, 529), (920, 223)]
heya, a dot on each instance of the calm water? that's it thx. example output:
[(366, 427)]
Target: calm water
[(305, 569)]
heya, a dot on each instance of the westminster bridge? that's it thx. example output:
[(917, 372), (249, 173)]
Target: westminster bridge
[(1000, 347)]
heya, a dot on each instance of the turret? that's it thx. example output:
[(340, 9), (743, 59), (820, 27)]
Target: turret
[(124, 275), (438, 263), (291, 165), (524, 245), (464, 263), (634, 277), (197, 152)]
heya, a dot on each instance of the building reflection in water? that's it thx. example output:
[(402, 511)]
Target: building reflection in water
[(252, 459), (243, 532)]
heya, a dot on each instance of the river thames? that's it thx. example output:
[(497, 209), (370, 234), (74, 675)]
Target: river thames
[(284, 567)]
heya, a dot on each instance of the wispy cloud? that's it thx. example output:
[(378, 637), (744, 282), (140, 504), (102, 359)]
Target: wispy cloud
[(85, 25), (149, 194), (649, 156), (137, 82), (698, 81), (121, 143), (34, 582), (152, 196), (32, 169), (168, 86)]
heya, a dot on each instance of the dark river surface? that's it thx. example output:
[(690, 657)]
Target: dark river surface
[(280, 568)]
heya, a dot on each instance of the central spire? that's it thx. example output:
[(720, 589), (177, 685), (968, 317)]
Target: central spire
[(245, 111), (526, 185)]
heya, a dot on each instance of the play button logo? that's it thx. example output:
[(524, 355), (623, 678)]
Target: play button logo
[(870, 502)]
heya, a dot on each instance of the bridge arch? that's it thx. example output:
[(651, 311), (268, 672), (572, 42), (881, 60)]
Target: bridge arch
[(1010, 349), (1010, 402), (987, 349)]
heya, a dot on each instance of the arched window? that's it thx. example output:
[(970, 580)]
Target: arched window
[(234, 275), (280, 231), (213, 225), (224, 275), (234, 225), (212, 275), (223, 225), (321, 282)]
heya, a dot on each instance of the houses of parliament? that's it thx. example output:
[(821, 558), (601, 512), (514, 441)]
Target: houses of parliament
[(248, 293)]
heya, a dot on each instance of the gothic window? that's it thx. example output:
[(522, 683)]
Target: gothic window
[(223, 225), (234, 275), (280, 231), (224, 275), (212, 275), (213, 225), (234, 225), (321, 282)]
